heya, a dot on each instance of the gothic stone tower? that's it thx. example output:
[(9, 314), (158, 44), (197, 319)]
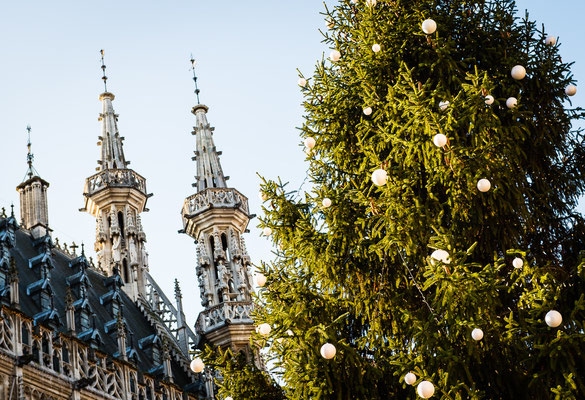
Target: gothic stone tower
[(116, 196), (216, 217)]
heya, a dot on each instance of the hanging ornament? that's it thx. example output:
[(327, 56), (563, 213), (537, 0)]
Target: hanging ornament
[(484, 185), (489, 100), (376, 48), (197, 365), (518, 72), (289, 332), (477, 334), (553, 318), (262, 196), (326, 202), (518, 263), (571, 90), (335, 55), (410, 378), (329, 23), (443, 105), (310, 142), (425, 389), (551, 40), (379, 177), (229, 398), (328, 351), (429, 26), (368, 111), (512, 102), (260, 279), (302, 82), (264, 329), (267, 231), (440, 255), (354, 1), (440, 140), (370, 3)]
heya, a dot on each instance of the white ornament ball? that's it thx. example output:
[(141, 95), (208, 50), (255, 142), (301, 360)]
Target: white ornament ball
[(310, 142), (512, 102), (289, 332), (440, 140), (197, 365), (429, 26), (571, 90), (267, 231), (477, 334), (368, 111), (264, 329), (484, 185), (489, 100), (440, 255), (376, 48), (425, 389), (354, 1), (551, 40), (229, 398), (370, 3), (518, 263), (329, 23), (262, 196), (379, 177), (326, 202), (335, 55), (443, 105), (410, 378), (518, 72), (553, 318), (302, 82), (261, 279), (328, 351)]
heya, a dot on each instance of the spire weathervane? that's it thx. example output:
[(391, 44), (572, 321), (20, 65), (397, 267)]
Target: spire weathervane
[(104, 78), (193, 63), (30, 156)]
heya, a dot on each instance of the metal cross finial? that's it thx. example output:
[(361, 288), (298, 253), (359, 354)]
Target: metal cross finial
[(193, 63), (104, 77), (12, 210), (30, 156)]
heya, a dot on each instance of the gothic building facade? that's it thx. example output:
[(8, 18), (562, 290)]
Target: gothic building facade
[(72, 328)]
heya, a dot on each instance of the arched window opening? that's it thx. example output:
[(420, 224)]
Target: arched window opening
[(121, 222), (226, 248), (125, 271)]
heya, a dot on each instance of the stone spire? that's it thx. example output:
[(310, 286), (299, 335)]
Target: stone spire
[(116, 196), (34, 210), (209, 172), (216, 216), (112, 151)]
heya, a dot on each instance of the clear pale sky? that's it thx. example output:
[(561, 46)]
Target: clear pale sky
[(247, 52)]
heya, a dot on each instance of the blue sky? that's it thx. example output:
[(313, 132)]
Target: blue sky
[(247, 53)]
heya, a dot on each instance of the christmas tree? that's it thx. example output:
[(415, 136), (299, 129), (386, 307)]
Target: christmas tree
[(438, 252)]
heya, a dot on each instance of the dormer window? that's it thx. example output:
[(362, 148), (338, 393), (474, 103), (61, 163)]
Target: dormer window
[(45, 300), (84, 320), (155, 355)]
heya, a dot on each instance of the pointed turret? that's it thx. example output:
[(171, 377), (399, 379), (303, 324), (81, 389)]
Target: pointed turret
[(116, 196), (216, 216), (34, 210)]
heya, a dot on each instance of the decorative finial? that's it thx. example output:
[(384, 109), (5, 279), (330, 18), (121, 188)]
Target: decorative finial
[(12, 210), (82, 249), (177, 289), (193, 63), (104, 77), (30, 156)]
